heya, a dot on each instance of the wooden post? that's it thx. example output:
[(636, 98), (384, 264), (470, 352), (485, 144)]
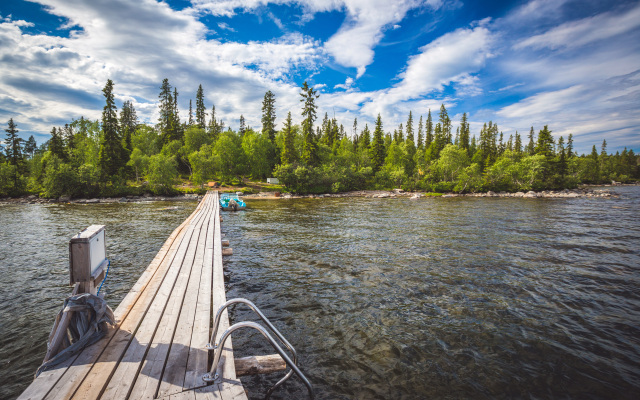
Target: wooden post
[(225, 242), (259, 365), (227, 251)]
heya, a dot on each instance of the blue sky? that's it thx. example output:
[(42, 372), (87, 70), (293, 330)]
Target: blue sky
[(574, 65)]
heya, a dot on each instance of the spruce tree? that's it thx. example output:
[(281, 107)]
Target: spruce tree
[(445, 124), (561, 165), (531, 147), (570, 146), (365, 138), (128, 124), (214, 128), (288, 150), (201, 114), (377, 146), (419, 144), (309, 146), (165, 121), (56, 144), (545, 145), (110, 157), (464, 133), (429, 131), (176, 127), (30, 146), (13, 144), (517, 146), (269, 116), (190, 114), (243, 126), (400, 134), (410, 128)]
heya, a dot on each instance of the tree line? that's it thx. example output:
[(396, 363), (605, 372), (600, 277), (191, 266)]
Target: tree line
[(117, 155)]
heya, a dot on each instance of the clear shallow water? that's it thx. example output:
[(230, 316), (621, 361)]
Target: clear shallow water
[(382, 298)]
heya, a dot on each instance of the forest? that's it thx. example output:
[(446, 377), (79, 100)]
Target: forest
[(118, 156)]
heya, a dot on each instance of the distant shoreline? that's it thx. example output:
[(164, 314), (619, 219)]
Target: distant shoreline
[(583, 191)]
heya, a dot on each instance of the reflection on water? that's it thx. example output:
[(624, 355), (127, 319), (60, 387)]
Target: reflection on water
[(382, 298)]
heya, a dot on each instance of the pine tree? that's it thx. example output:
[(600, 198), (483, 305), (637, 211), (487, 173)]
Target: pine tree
[(464, 133), (429, 131), (288, 151), (377, 146), (309, 146), (531, 147), (110, 158), (269, 116), (13, 144), (510, 143), (419, 144), (355, 128), (410, 128), (201, 114), (400, 134), (190, 114)]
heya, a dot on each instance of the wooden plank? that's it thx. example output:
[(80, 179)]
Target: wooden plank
[(93, 374), (198, 354), (43, 385), (162, 316), (176, 365), (152, 368)]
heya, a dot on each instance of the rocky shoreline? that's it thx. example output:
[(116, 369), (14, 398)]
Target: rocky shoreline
[(380, 194), (566, 193), (33, 199)]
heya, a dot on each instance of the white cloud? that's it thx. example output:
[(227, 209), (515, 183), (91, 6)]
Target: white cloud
[(578, 33), (137, 45), (362, 30), (347, 85), (452, 58)]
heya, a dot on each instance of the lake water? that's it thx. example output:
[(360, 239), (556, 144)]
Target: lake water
[(382, 298)]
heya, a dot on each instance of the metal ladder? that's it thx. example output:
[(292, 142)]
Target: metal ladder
[(217, 347)]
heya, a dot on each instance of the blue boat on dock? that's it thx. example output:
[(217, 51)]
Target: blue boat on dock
[(231, 202)]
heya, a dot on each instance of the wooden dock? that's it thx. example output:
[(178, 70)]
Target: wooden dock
[(156, 349)]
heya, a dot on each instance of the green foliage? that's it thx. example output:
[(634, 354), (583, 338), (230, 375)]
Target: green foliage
[(194, 138), (162, 173), (228, 156)]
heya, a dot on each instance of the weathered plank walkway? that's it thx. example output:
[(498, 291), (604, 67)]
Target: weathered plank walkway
[(157, 347)]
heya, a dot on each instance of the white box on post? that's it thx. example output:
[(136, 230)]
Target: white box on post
[(87, 258)]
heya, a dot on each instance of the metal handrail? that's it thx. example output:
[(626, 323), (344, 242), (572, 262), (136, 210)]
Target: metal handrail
[(216, 325), (212, 375)]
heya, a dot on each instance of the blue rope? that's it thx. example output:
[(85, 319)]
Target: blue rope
[(105, 277)]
